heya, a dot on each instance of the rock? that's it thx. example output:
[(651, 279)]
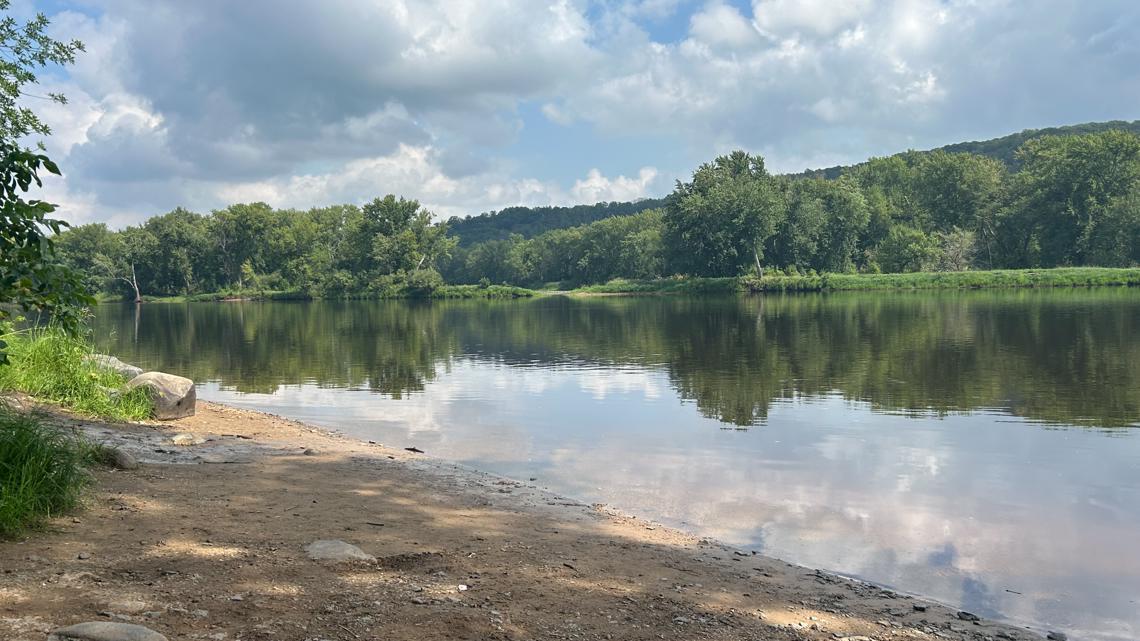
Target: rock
[(103, 361), (967, 616), (119, 459), (173, 396), (336, 550), (105, 631), (310, 452), (186, 439), (918, 607), (83, 556), (1057, 636)]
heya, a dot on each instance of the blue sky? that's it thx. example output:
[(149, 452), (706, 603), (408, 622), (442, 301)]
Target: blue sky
[(473, 106)]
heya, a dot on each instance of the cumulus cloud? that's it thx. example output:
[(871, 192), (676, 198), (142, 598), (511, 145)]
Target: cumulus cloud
[(195, 104)]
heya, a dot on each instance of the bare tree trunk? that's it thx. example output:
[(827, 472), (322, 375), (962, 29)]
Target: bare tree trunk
[(135, 284), (759, 269)]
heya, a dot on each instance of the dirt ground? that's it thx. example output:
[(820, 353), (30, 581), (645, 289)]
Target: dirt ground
[(206, 541)]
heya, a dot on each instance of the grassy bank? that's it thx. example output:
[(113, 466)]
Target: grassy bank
[(48, 364), (392, 293), (1058, 277), (43, 470)]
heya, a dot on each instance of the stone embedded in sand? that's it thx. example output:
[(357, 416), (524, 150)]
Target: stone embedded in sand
[(119, 459), (105, 631), (186, 439), (336, 550), (173, 396), (103, 361)]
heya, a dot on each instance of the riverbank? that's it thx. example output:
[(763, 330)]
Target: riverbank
[(773, 282), (1005, 278), (207, 541)]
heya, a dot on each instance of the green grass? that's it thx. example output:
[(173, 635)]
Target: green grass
[(48, 364), (622, 286), (477, 291), (776, 282), (43, 471)]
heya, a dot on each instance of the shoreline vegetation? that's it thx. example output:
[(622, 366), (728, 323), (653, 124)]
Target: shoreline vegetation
[(1057, 277)]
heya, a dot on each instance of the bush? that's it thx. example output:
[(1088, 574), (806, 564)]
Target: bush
[(42, 471), (49, 364)]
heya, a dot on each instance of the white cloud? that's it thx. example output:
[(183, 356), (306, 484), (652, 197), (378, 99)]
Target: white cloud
[(299, 102), (596, 188)]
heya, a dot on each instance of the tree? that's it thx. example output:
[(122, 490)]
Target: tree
[(30, 275), (24, 49), (716, 224), (907, 249)]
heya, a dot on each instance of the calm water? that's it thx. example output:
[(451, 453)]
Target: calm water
[(980, 448)]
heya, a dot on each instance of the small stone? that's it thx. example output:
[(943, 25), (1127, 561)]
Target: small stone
[(186, 439), (310, 452), (336, 550), (237, 597), (105, 631), (419, 601), (119, 459), (680, 620), (461, 587), (918, 607), (83, 556), (201, 614), (968, 616), (1057, 636)]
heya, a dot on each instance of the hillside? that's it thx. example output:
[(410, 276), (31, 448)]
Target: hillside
[(1002, 148), (532, 221)]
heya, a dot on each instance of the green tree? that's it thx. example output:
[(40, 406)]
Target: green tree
[(717, 224), (907, 249), (31, 276)]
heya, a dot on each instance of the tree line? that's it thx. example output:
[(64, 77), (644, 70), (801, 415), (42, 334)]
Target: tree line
[(1073, 200)]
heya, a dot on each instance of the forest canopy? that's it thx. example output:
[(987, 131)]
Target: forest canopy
[(1063, 200)]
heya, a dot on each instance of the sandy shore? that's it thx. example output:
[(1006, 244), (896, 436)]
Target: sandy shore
[(206, 541)]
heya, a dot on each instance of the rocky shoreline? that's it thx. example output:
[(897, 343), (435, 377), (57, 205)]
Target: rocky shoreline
[(212, 534)]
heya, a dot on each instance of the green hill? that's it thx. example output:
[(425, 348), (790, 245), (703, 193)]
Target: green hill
[(1000, 148)]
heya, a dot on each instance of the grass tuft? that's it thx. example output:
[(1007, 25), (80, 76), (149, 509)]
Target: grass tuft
[(42, 471), (49, 364)]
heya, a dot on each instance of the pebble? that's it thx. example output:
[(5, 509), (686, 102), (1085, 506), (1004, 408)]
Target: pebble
[(310, 452), (919, 607), (187, 439), (83, 556), (1057, 636)]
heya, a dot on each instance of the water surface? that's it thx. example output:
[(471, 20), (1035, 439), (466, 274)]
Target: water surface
[(980, 448)]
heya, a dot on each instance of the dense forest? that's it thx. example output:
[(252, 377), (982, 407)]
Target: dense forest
[(1063, 200)]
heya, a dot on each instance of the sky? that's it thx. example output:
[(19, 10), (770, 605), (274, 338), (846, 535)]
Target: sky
[(474, 105)]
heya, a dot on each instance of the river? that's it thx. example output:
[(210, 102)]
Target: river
[(980, 448)]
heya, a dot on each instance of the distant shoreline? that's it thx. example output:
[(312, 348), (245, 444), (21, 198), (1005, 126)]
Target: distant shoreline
[(1057, 277)]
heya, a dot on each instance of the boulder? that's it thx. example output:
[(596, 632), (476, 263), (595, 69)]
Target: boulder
[(105, 631), (103, 361), (173, 396), (336, 550)]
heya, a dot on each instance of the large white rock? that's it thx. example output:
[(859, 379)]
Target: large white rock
[(173, 396), (105, 631), (336, 550), (103, 361)]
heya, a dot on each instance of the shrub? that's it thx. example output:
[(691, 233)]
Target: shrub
[(42, 470), (49, 364)]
